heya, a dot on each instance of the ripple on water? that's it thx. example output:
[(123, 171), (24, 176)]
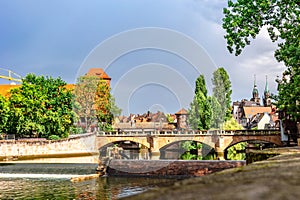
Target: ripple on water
[(101, 188)]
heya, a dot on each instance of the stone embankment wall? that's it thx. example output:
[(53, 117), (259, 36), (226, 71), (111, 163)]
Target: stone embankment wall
[(76, 145), (168, 168)]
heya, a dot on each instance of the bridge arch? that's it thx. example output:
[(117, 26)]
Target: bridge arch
[(183, 140), (270, 139), (104, 141), (258, 140), (174, 150)]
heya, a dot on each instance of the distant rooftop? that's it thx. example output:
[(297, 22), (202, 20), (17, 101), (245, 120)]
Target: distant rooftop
[(182, 111), (251, 111), (99, 72)]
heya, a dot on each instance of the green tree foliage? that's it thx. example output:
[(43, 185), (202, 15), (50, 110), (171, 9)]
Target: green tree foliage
[(106, 107), (191, 148), (222, 92), (216, 114), (115, 110), (169, 118), (93, 101), (40, 107), (84, 99), (4, 114), (243, 21), (232, 125), (237, 151), (200, 111), (197, 151)]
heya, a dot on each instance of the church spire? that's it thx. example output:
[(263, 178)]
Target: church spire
[(267, 99), (255, 95), (266, 87), (255, 90)]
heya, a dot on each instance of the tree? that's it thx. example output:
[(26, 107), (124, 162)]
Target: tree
[(115, 110), (40, 107), (244, 19), (232, 124), (237, 151), (4, 114), (93, 101), (84, 99), (191, 150), (222, 92), (200, 110), (105, 106), (216, 114)]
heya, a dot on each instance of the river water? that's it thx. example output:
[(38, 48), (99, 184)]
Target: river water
[(63, 188), (50, 179)]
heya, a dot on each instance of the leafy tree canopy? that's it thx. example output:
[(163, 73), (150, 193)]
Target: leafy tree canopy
[(244, 19), (200, 111), (221, 98), (4, 114), (232, 124), (84, 99), (106, 107), (40, 107), (93, 101)]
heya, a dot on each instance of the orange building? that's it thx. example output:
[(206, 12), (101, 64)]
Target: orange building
[(98, 72), (5, 88)]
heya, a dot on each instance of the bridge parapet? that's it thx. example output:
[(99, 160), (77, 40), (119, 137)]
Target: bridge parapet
[(141, 132), (153, 133), (258, 132), (163, 132)]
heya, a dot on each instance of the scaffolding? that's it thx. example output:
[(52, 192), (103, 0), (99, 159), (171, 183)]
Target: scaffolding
[(10, 75)]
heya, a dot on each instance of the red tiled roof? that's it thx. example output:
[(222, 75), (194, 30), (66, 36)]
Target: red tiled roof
[(182, 111), (253, 110), (98, 72)]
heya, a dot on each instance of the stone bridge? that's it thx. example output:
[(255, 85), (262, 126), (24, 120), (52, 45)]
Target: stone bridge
[(219, 140)]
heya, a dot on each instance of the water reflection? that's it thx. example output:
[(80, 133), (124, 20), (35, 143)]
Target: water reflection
[(102, 188), (49, 178)]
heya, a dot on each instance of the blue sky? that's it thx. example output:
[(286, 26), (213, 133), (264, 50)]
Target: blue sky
[(57, 38)]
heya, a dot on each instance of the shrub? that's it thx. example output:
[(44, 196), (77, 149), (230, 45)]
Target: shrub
[(54, 137)]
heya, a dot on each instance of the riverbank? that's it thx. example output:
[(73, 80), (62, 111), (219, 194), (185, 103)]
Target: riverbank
[(275, 178)]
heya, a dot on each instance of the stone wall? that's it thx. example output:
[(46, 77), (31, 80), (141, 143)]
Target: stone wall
[(77, 145), (168, 168)]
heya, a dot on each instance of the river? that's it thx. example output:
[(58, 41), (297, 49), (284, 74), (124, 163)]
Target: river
[(62, 188), (49, 178)]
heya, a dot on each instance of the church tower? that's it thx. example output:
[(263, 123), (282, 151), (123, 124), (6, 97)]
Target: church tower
[(255, 94), (266, 98)]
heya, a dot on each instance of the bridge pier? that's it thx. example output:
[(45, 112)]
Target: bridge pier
[(154, 147), (220, 153), (155, 155)]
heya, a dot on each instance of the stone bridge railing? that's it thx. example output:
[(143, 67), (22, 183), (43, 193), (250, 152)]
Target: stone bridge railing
[(140, 132)]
